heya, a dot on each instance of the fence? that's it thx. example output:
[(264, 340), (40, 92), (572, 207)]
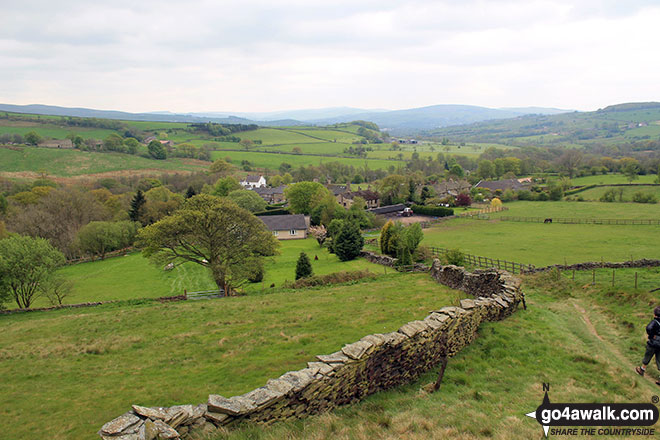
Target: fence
[(489, 210), (583, 221), (86, 259), (204, 294), (487, 263), (620, 278)]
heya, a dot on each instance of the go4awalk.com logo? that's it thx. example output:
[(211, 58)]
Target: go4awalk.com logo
[(620, 419)]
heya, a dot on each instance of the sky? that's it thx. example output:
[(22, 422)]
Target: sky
[(254, 55)]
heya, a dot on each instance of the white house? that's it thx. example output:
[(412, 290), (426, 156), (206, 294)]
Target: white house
[(253, 182)]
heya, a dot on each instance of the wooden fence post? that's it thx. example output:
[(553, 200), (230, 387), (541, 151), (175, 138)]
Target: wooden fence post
[(612, 277), (593, 276), (635, 280)]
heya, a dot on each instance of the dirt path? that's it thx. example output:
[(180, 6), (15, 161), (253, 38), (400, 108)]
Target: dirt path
[(611, 352)]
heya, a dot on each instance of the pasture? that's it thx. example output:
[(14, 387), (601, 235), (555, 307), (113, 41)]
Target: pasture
[(583, 341), (69, 162), (611, 179), (623, 193), (544, 244), (133, 276), (73, 370)]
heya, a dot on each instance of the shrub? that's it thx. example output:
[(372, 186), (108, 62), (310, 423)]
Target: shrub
[(496, 203), (422, 253), (640, 197), (436, 211), (463, 199), (332, 278), (609, 196), (455, 257), (303, 266)]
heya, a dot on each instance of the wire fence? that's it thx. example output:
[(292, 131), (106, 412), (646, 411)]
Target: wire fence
[(487, 263), (582, 221)]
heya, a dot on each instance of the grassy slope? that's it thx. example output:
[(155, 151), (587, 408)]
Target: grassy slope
[(73, 370), (273, 160), (132, 276), (66, 163), (542, 244), (626, 192), (490, 385), (611, 179)]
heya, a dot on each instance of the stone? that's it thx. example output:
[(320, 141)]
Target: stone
[(376, 339), (150, 430), (234, 406), (357, 349), (320, 368), (133, 436), (298, 379), (152, 413), (412, 328), (165, 431), (279, 386), (262, 397), (127, 423), (199, 411), (217, 418), (394, 338), (336, 357), (468, 304), (179, 415)]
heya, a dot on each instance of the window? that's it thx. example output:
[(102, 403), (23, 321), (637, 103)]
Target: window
[(275, 233), (292, 232)]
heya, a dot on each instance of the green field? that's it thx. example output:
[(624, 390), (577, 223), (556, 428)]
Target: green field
[(66, 163), (132, 276), (544, 244), (272, 161), (73, 370), (583, 342), (51, 130), (611, 179), (625, 191)]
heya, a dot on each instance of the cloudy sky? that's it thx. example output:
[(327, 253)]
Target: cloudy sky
[(254, 55)]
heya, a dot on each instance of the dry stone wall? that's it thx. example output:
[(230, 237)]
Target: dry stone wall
[(375, 362)]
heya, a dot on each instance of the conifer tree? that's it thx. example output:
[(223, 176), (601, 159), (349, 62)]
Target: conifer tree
[(303, 267), (136, 206), (349, 242)]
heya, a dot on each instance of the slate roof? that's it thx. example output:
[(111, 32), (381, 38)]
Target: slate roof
[(267, 190), (366, 194), (388, 209), (252, 178), (284, 222), (503, 185)]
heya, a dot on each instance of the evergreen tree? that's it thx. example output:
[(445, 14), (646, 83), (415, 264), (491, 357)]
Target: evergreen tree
[(385, 235), (137, 205), (349, 242), (303, 267), (191, 192)]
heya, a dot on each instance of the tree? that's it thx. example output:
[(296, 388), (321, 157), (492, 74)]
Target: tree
[(495, 203), (131, 145), (456, 170), (349, 242), (56, 289), (463, 199), (570, 161), (249, 200), (630, 168), (485, 169), (225, 185), (161, 202), (190, 192), (98, 238), (304, 196), (246, 143), (214, 233), (303, 267), (221, 167), (385, 236), (137, 206), (25, 264), (33, 138), (393, 189), (156, 150), (296, 150), (114, 142), (319, 233), (3, 205)]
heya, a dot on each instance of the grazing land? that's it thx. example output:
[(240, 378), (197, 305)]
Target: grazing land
[(133, 276), (73, 370), (623, 193), (611, 179), (585, 342), (544, 244)]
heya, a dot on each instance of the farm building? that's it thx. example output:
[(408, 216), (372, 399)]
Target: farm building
[(253, 182), (502, 185), (271, 195), (389, 209), (451, 188), (287, 227), (371, 197)]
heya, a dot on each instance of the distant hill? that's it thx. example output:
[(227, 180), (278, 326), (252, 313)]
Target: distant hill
[(397, 121), (431, 117), (40, 109), (629, 122)]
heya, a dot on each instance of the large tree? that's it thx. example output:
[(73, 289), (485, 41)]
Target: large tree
[(249, 200), (214, 233), (26, 264), (305, 196)]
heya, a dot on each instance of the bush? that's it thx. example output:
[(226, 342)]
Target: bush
[(303, 267), (609, 196), (640, 197), (435, 211), (455, 257), (332, 278), (423, 253)]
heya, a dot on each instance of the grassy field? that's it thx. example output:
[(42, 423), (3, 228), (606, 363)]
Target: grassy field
[(544, 244), (48, 130), (272, 161), (73, 370), (133, 277), (611, 179), (66, 163), (583, 342), (625, 192)]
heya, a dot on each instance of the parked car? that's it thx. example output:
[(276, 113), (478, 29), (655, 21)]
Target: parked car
[(407, 212)]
